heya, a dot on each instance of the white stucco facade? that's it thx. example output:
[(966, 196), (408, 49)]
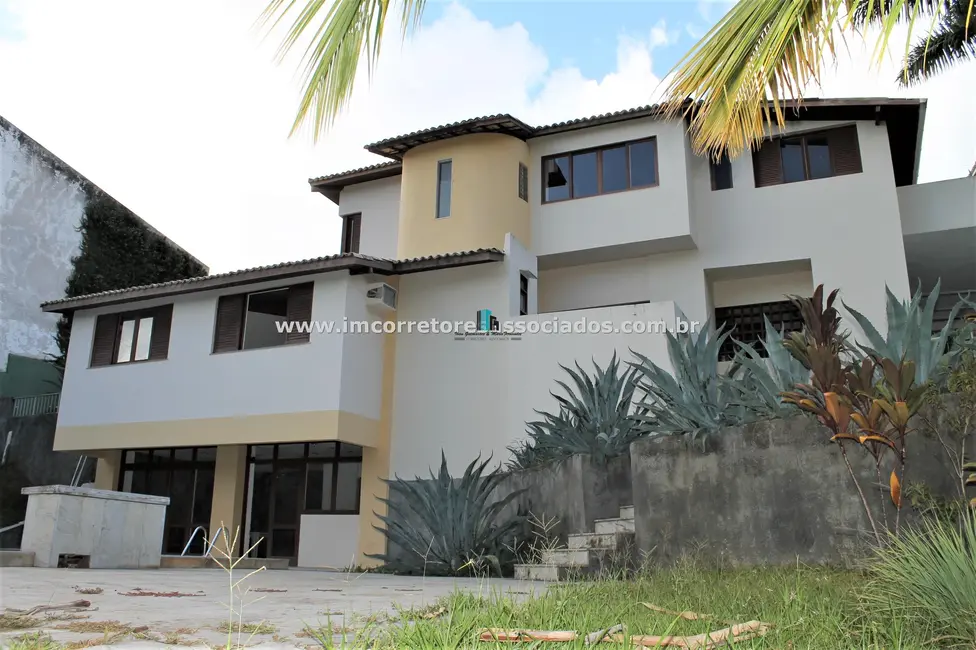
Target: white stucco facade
[(379, 204)]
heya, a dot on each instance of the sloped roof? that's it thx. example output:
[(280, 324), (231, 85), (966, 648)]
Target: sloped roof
[(903, 114), (355, 263)]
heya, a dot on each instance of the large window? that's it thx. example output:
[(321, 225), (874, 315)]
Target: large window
[(747, 324), (610, 169), (444, 173), (186, 476), (132, 336), (288, 480), (807, 157), (523, 182), (351, 230), (523, 295), (264, 319)]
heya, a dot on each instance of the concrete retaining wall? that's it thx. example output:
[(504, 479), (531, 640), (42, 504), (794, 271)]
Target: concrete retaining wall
[(773, 492)]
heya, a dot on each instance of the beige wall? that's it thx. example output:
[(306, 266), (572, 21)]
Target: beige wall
[(228, 497), (250, 430), (484, 196)]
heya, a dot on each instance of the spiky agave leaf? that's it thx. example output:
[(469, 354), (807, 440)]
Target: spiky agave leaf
[(752, 375), (445, 522), (910, 334), (594, 418)]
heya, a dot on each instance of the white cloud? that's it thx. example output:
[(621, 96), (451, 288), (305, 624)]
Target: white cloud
[(179, 111)]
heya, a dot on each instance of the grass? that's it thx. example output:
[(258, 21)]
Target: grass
[(808, 608), (245, 628)]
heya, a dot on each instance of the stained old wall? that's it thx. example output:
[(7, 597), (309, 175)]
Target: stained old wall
[(771, 492)]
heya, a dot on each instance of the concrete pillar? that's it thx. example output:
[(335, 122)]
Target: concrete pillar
[(228, 494), (107, 470)]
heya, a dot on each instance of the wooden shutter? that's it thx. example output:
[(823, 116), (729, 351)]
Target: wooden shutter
[(103, 343), (845, 154), (767, 163), (159, 343), (299, 311), (230, 323)]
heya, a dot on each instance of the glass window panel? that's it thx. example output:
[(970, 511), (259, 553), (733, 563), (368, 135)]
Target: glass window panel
[(159, 482), (143, 338), (444, 173), (347, 450), (643, 163), (262, 452), (183, 453), (327, 471), (127, 481), (289, 489), (584, 174), (207, 454), (722, 174), (203, 497), (283, 542), (614, 169), (557, 178), (322, 450), (818, 156), (792, 153), (260, 497), (125, 341), (264, 311), (292, 451), (141, 457), (347, 486), (313, 488)]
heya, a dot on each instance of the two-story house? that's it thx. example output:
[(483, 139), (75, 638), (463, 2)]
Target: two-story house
[(191, 390)]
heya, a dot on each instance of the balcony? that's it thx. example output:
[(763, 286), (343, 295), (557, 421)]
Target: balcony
[(939, 228)]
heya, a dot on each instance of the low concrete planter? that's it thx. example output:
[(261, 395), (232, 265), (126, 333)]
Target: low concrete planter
[(104, 529)]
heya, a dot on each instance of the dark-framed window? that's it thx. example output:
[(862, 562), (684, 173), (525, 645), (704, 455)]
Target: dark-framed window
[(603, 170), (351, 230), (721, 173), (133, 336), (186, 476), (747, 324), (445, 172), (807, 156), (523, 295), (263, 319), (523, 182), (332, 473)]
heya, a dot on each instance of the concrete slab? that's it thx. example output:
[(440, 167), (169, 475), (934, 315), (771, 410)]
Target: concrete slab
[(287, 600)]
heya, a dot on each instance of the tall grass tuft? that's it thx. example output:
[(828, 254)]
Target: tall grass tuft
[(927, 577)]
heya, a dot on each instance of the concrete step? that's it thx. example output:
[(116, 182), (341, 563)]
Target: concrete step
[(13, 558), (545, 572), (611, 526), (200, 562), (602, 541), (566, 557), (626, 512)]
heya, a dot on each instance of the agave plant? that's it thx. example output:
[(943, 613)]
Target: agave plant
[(594, 418), (447, 525), (910, 334), (754, 375), (696, 399)]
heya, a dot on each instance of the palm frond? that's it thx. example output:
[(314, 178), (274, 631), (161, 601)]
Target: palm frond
[(341, 32), (953, 40), (762, 51), (872, 12)]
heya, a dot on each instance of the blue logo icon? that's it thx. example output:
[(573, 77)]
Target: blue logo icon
[(486, 322)]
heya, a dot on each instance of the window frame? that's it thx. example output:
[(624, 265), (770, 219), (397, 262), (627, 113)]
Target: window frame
[(240, 311), (523, 181), (352, 231), (599, 169), (307, 461), (137, 316), (523, 294), (713, 166), (450, 191), (805, 154)]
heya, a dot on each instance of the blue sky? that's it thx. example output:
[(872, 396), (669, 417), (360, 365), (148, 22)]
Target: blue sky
[(584, 34)]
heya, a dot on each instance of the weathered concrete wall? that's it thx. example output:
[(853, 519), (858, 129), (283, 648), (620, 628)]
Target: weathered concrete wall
[(28, 461), (771, 492), (574, 492)]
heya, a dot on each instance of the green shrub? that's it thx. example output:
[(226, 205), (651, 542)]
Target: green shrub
[(928, 578), (447, 526)]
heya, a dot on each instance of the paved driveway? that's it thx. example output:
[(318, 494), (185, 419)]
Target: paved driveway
[(287, 600)]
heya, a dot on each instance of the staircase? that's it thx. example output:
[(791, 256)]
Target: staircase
[(610, 546)]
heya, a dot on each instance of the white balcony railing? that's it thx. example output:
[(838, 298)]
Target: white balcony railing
[(36, 405)]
